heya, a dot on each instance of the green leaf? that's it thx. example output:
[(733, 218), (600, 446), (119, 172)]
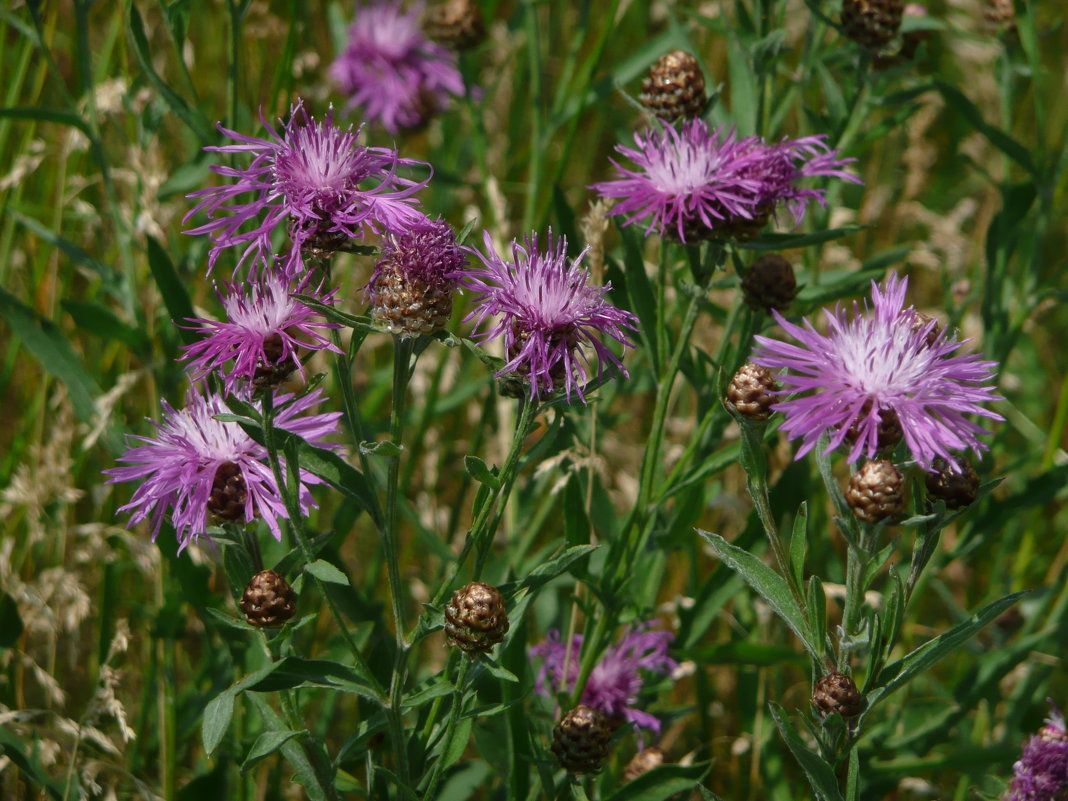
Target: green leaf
[(997, 137), (770, 585), (217, 716), (853, 776), (896, 675), (293, 671), (25, 760), (102, 322), (547, 571), (10, 622), (454, 749), (229, 620), (383, 449), (799, 544), (820, 775), (789, 241), (112, 281), (817, 611), (662, 782), (171, 288), (266, 744), (191, 116), (498, 672), (292, 751), (438, 688), (478, 470), (640, 291), (45, 341), (324, 571)]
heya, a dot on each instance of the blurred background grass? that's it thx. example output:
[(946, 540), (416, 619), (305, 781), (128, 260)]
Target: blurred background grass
[(106, 107)]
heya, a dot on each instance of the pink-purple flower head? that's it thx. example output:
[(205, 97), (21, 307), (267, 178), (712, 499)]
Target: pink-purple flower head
[(314, 178), (693, 183), (391, 70), (876, 367), (199, 467), (265, 329), (547, 312), (616, 681), (1041, 774)]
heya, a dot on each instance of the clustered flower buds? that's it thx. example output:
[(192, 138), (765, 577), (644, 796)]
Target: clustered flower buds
[(957, 488), (769, 283), (643, 762), (475, 618), (837, 692), (751, 390), (674, 87), (268, 601), (876, 491), (872, 23), (580, 740)]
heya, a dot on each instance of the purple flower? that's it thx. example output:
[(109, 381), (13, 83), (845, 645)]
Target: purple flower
[(1041, 774), (412, 285), (693, 184), (873, 368), (265, 328), (391, 69), (685, 180), (548, 313), (616, 681), (313, 177), (196, 465)]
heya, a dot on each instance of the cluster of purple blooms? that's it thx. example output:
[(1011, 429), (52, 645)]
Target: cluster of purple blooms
[(1041, 774), (888, 362), (615, 682), (694, 183)]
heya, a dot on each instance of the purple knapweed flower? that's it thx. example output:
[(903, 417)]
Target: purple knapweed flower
[(391, 70), (685, 181), (1041, 774), (412, 285), (695, 184), (548, 312), (615, 682), (198, 466), (265, 328), (313, 177), (877, 367)]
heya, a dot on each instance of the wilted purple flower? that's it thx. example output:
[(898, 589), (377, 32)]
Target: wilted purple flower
[(315, 178), (391, 70), (872, 368), (412, 285), (197, 465), (264, 329), (615, 682), (693, 183), (548, 312), (1041, 774), (686, 181)]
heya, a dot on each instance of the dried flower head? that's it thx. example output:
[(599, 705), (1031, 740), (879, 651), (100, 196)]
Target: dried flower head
[(874, 362), (616, 681), (197, 465), (265, 328), (548, 314), (580, 740), (674, 87), (695, 184), (412, 285), (391, 70), (1041, 773), (313, 177)]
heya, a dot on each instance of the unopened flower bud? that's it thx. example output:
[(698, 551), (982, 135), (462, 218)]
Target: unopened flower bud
[(268, 600), (769, 283), (876, 491), (643, 762), (674, 87), (750, 391), (837, 692), (957, 489), (872, 23), (229, 493), (475, 618), (580, 740)]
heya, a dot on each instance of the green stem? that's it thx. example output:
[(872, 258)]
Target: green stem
[(450, 729)]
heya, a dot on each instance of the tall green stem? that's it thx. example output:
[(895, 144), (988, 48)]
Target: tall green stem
[(450, 729)]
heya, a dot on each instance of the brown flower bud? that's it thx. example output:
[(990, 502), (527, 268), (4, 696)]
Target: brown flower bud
[(957, 489), (268, 601), (475, 618), (872, 23), (749, 392), (580, 740), (455, 23), (674, 87), (837, 692), (643, 762), (229, 493), (876, 491), (887, 435), (769, 283)]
